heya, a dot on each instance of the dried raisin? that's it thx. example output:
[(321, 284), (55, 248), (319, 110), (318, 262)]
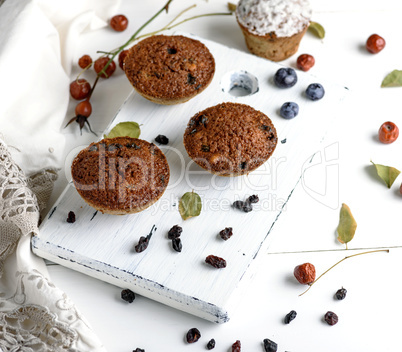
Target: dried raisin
[(138, 350), (175, 232), (270, 346), (142, 244), (226, 233), (71, 217), (290, 316), (331, 318), (236, 347), (161, 139), (211, 344), (193, 335), (215, 261), (253, 199), (244, 206), (176, 244), (128, 295), (341, 294)]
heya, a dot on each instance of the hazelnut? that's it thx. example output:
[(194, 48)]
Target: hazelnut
[(305, 273)]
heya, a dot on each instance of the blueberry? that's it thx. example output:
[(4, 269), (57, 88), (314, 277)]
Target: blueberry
[(285, 77), (289, 110), (315, 91)]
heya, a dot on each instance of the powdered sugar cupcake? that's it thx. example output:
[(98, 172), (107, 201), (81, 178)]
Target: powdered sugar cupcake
[(273, 28)]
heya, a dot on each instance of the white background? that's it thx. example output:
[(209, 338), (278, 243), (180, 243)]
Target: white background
[(369, 316)]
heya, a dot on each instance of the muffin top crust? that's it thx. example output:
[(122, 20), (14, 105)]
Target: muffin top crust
[(169, 67), (230, 139), (282, 17), (120, 175)]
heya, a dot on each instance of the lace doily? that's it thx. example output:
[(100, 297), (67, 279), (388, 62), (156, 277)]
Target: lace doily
[(34, 314)]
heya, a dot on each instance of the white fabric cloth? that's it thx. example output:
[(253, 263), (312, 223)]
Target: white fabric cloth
[(37, 41)]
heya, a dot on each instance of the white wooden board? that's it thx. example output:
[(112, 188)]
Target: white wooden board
[(102, 245)]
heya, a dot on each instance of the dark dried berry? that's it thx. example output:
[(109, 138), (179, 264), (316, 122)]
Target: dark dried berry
[(244, 206), (161, 139), (138, 350), (176, 244), (226, 233), (211, 344), (341, 294), (193, 335), (71, 217), (198, 87), (142, 244), (171, 51), (290, 316), (175, 232), (236, 347), (191, 79), (247, 207), (205, 148), (270, 346), (215, 261), (243, 165), (331, 318), (128, 295), (253, 199)]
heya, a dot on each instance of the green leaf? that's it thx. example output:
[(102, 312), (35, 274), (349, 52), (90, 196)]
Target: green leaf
[(125, 129), (387, 173), (347, 225), (393, 79), (317, 29), (232, 7), (190, 205)]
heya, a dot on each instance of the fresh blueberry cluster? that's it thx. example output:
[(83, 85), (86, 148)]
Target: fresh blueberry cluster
[(287, 78)]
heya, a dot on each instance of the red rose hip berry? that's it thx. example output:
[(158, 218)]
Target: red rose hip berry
[(305, 273), (305, 62), (83, 108), (388, 132), (101, 63), (80, 89), (375, 44), (119, 23), (84, 61), (122, 56)]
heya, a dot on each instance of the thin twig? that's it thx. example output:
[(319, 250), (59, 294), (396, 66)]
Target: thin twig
[(349, 256)]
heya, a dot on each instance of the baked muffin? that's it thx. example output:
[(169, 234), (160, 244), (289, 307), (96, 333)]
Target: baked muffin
[(230, 139), (120, 175), (169, 69), (273, 28)]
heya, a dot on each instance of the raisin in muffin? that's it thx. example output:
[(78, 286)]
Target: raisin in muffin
[(273, 28), (230, 139), (169, 69), (120, 175)]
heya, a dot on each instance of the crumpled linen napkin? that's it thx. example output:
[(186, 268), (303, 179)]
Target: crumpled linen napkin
[(37, 40)]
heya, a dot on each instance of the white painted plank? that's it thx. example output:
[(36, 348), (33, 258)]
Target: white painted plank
[(102, 245)]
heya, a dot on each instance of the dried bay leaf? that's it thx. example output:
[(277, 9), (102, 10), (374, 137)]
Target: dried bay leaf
[(125, 129), (317, 29), (393, 79), (190, 205), (347, 225), (387, 173)]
